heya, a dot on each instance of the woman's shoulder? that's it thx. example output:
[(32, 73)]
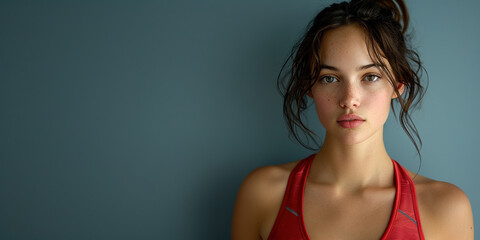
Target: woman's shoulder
[(263, 182), (438, 194), (258, 199), (445, 210), (272, 174)]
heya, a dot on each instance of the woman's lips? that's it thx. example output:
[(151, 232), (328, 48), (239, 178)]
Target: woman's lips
[(350, 121)]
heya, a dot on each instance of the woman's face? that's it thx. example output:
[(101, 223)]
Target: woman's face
[(350, 83)]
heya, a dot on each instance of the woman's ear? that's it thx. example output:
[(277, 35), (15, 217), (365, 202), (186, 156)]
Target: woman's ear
[(309, 93), (401, 88)]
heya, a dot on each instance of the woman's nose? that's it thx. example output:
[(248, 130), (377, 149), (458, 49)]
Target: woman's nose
[(350, 97)]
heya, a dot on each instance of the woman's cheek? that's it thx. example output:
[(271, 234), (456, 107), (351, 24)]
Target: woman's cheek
[(378, 106), (325, 107)]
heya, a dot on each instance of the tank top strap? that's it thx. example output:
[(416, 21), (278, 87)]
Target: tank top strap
[(406, 221), (289, 220), (296, 182)]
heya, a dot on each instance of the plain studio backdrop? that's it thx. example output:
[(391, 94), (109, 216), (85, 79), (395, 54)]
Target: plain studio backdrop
[(140, 119)]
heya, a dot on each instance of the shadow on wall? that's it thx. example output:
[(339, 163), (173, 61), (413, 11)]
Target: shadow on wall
[(215, 205)]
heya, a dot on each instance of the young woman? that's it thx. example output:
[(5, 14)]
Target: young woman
[(353, 62)]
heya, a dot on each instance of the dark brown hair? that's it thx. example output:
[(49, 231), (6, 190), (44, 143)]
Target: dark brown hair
[(385, 24)]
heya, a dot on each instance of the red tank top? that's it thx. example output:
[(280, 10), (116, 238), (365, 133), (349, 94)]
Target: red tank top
[(404, 221)]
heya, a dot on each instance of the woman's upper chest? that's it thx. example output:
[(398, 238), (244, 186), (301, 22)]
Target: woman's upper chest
[(328, 214)]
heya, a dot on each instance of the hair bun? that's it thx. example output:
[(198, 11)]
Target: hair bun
[(399, 11)]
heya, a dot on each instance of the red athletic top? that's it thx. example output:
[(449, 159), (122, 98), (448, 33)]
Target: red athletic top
[(404, 222)]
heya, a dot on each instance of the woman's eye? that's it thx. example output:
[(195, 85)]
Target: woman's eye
[(328, 79), (372, 78)]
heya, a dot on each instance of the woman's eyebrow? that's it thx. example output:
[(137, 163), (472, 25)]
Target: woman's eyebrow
[(327, 67), (358, 69), (375, 65)]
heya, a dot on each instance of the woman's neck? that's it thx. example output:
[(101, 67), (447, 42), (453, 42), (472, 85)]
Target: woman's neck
[(351, 168)]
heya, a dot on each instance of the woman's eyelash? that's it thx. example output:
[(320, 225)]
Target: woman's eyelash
[(372, 75), (330, 78)]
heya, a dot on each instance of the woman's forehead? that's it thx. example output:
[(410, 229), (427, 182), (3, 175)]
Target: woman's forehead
[(345, 47)]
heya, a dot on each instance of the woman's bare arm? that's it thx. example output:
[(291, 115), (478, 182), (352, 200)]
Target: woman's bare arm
[(246, 219), (446, 210), (259, 196)]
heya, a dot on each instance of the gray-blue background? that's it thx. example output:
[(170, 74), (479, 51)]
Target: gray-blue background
[(140, 119)]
